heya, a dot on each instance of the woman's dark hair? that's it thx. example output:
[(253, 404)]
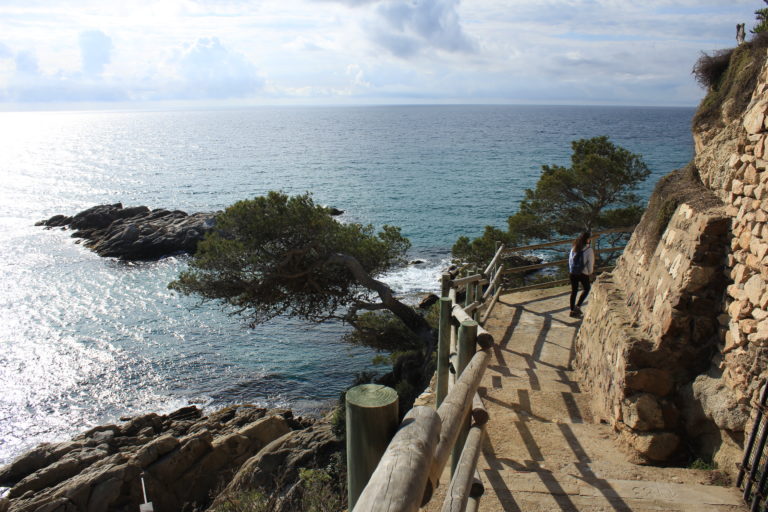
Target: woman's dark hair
[(579, 243)]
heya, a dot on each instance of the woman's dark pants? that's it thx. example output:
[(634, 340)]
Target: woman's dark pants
[(575, 280)]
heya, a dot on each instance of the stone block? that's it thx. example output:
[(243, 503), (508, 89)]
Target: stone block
[(642, 412), (739, 309), (755, 288), (753, 120), (737, 187), (751, 175), (651, 446), (650, 380)]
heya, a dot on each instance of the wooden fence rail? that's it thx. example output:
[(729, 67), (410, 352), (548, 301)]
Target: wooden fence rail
[(410, 469)]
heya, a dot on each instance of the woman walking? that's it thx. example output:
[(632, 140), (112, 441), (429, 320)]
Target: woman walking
[(581, 263)]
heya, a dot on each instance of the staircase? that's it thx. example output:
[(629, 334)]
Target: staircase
[(544, 451)]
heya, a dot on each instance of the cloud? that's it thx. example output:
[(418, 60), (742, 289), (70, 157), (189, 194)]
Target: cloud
[(26, 63), (408, 27), (207, 69), (95, 51), (5, 52)]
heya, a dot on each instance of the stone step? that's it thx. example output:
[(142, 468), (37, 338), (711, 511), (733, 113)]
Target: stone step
[(548, 491), (500, 377), (558, 406)]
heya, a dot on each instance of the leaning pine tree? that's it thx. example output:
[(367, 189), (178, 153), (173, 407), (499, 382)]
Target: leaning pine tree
[(281, 255)]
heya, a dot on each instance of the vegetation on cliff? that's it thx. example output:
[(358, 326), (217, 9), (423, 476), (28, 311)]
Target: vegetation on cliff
[(595, 192), (729, 76)]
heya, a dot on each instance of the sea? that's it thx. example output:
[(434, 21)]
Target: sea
[(85, 340)]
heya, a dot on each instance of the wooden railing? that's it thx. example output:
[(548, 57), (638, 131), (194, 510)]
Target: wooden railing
[(410, 469), (556, 263)]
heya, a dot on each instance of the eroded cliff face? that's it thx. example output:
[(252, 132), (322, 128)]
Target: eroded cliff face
[(674, 343)]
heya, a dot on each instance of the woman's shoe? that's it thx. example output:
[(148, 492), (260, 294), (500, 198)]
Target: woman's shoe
[(574, 314)]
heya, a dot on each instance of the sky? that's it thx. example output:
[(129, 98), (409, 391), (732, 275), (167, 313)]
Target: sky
[(347, 52)]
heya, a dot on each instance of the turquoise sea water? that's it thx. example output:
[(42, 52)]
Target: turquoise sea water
[(84, 340)]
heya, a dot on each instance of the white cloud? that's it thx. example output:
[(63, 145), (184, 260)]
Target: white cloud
[(544, 51), (95, 49), (207, 69)]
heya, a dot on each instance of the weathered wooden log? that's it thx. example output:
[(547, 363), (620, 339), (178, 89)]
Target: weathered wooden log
[(461, 483), (484, 338), (400, 482), (489, 309), (494, 282), (496, 257), (445, 284), (479, 413), (467, 280), (478, 487), (455, 408), (372, 415), (443, 349), (473, 504), (466, 349)]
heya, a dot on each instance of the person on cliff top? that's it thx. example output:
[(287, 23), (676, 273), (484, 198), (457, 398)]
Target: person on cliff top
[(581, 263)]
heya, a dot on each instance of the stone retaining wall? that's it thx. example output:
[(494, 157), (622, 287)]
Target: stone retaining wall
[(674, 344)]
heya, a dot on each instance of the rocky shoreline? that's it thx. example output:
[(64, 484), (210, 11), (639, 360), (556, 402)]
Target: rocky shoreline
[(136, 233), (186, 458)]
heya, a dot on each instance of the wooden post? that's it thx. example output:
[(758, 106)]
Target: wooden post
[(466, 349), (443, 349), (478, 297), (445, 284), (401, 481), (372, 413)]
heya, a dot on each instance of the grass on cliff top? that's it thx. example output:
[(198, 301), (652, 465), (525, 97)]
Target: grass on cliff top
[(677, 187), (728, 75)]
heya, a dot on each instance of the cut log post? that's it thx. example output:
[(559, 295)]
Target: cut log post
[(372, 415), (484, 338), (477, 299), (445, 284), (473, 504), (455, 408), (478, 487), (400, 482), (479, 413), (443, 349), (467, 340), (461, 483)]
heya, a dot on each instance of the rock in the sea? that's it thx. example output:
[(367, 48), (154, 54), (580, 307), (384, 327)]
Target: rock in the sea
[(428, 300), (136, 233), (184, 458)]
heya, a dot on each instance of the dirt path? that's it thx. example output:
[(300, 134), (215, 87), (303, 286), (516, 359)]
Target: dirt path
[(543, 452)]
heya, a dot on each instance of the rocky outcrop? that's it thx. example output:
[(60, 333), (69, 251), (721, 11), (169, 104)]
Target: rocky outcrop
[(136, 233), (276, 466), (674, 343), (184, 458)]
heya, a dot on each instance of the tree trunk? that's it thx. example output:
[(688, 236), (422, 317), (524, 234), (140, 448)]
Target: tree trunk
[(414, 321)]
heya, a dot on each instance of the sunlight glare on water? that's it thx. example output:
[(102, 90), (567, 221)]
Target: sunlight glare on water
[(85, 340)]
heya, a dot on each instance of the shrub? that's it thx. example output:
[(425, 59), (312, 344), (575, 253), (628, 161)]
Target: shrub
[(709, 69)]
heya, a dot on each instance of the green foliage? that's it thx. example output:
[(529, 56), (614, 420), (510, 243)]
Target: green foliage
[(761, 15), (278, 255), (382, 330), (595, 193), (703, 464), (246, 501), (318, 493)]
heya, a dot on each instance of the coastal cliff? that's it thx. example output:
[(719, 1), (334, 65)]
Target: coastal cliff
[(674, 343)]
